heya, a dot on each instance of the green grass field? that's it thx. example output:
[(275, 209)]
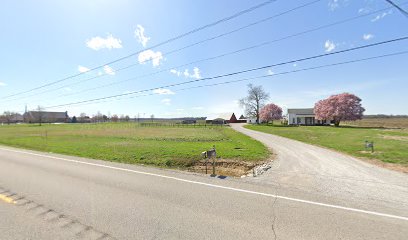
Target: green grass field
[(391, 145), (389, 122), (130, 143)]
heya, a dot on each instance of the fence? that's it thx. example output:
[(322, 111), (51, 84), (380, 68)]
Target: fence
[(179, 125)]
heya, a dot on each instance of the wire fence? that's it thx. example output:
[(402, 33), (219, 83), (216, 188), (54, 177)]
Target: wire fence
[(179, 125)]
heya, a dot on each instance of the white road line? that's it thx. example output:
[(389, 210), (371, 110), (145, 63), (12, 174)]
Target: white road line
[(216, 186)]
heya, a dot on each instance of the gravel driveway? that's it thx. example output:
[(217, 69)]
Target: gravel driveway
[(328, 174)]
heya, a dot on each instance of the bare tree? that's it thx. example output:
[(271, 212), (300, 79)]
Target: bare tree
[(82, 117), (8, 116), (254, 101), (114, 118), (40, 111), (99, 117)]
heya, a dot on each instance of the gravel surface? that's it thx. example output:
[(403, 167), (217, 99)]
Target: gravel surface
[(318, 170)]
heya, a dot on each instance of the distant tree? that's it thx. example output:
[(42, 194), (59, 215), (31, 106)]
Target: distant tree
[(242, 117), (340, 107), (127, 118), (152, 117), (105, 118), (114, 118), (270, 112), (7, 116), (82, 117), (254, 101), (98, 117), (74, 119), (40, 111)]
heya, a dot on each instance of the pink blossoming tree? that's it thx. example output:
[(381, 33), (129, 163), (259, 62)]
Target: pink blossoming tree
[(340, 107), (270, 112)]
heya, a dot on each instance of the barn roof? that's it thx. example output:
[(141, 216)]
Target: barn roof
[(225, 116)]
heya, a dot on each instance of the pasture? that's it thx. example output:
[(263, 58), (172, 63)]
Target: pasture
[(385, 122), (164, 146), (390, 144)]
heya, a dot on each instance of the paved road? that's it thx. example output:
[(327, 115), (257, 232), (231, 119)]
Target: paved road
[(58, 196)]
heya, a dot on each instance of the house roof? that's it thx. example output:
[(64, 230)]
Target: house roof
[(301, 111), (48, 115)]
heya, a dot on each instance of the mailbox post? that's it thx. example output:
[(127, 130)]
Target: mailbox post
[(210, 154), (369, 145)]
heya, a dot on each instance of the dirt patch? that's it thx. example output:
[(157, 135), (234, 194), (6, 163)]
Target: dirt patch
[(398, 138), (392, 166), (226, 167)]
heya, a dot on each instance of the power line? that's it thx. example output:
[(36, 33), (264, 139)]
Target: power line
[(265, 76), (405, 13), (243, 71), (201, 60), (292, 71), (157, 45), (182, 48)]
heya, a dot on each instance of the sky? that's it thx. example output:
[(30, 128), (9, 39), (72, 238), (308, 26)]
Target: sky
[(46, 41)]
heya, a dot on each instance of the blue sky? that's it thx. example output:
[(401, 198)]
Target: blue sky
[(43, 41)]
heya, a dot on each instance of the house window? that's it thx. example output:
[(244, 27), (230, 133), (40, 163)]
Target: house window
[(293, 120), (298, 120)]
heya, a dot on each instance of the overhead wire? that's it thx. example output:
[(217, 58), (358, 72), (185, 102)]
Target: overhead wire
[(246, 70), (263, 4), (200, 60), (171, 52)]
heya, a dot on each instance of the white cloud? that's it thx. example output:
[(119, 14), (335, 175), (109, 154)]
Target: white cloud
[(2, 84), (67, 89), (295, 65), (97, 43), (139, 34), (179, 109), (270, 72), (166, 101), (197, 108), (83, 69), (147, 55), (381, 16), (175, 72), (163, 91), (329, 45), (368, 36), (195, 74), (333, 4), (364, 10), (108, 70), (186, 73)]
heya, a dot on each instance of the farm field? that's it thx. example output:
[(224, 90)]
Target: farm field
[(389, 122), (164, 146), (390, 145)]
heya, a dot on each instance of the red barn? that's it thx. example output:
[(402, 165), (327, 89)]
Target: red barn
[(225, 118)]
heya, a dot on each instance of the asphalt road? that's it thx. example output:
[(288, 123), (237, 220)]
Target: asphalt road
[(49, 196)]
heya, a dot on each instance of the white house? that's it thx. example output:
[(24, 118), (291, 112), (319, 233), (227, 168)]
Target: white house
[(251, 120), (303, 116)]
